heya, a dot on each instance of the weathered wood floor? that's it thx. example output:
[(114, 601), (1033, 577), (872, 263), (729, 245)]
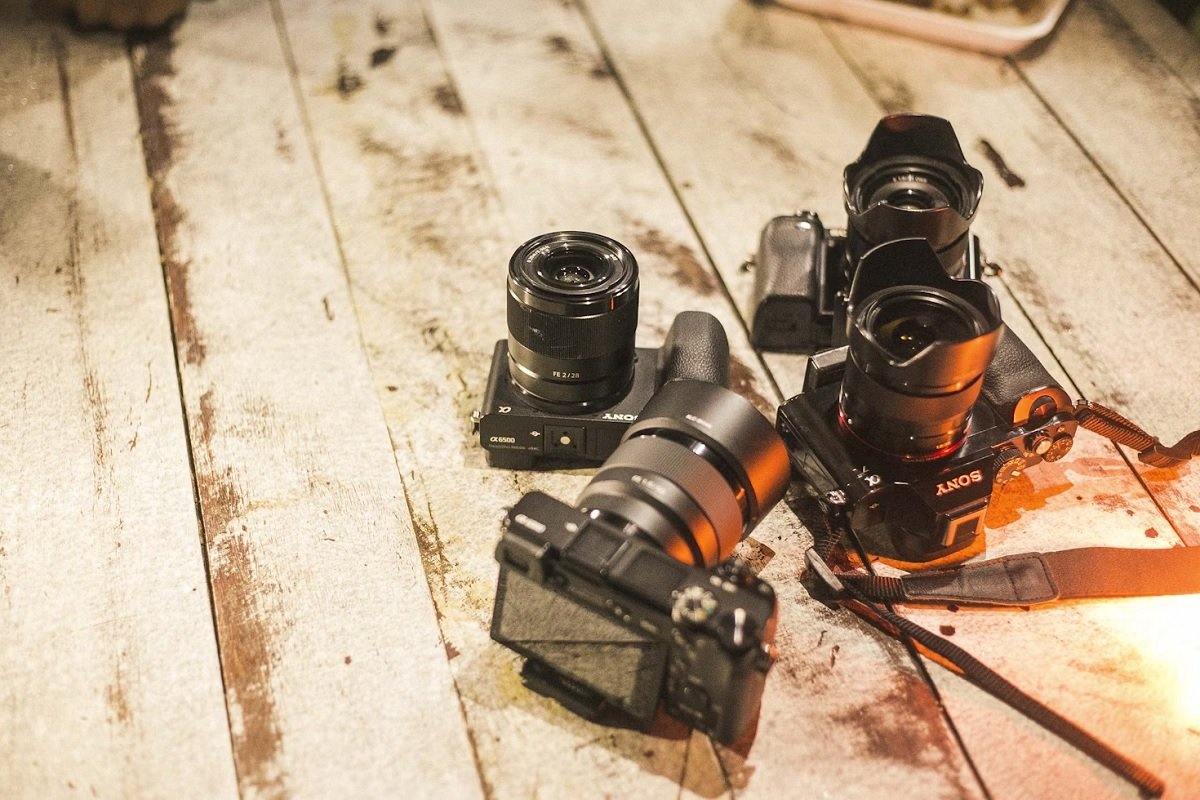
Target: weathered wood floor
[(250, 278)]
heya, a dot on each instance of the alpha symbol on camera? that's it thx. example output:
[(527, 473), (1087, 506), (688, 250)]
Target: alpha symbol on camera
[(962, 481)]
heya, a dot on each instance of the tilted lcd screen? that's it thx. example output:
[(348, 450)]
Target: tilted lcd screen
[(623, 664)]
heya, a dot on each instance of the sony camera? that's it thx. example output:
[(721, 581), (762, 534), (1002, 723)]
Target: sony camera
[(911, 181), (568, 380), (905, 431), (627, 601)]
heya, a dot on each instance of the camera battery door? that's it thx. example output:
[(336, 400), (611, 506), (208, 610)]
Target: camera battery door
[(613, 622), (790, 275)]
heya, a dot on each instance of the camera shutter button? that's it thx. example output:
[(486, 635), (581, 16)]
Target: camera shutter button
[(1039, 443)]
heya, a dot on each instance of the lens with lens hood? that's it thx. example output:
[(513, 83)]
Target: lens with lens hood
[(912, 180), (695, 473), (572, 315), (917, 351)]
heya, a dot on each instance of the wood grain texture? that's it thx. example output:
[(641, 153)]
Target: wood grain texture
[(749, 59), (1099, 68), (430, 170), (111, 684), (336, 676), (336, 189)]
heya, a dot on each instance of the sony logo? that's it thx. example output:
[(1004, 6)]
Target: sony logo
[(620, 417), (974, 476)]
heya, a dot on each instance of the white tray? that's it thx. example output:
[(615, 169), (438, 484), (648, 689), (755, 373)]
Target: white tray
[(994, 36)]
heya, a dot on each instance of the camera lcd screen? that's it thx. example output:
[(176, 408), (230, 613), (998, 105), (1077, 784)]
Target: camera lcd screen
[(623, 664)]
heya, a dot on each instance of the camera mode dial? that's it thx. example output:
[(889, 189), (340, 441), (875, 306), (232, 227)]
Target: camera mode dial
[(694, 604)]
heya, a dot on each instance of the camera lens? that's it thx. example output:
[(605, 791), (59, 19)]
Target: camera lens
[(912, 181), (906, 324), (917, 352), (695, 473), (572, 315)]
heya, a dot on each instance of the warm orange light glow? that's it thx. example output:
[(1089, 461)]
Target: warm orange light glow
[(1165, 632)]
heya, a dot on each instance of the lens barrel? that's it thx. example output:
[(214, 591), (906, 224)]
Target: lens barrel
[(912, 180), (695, 473), (572, 316), (917, 351)]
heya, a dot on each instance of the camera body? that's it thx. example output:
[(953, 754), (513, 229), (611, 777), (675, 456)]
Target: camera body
[(802, 272), (519, 431), (629, 601), (610, 621), (906, 431), (911, 181), (568, 380)]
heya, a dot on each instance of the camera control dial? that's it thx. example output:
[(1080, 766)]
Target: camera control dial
[(694, 604)]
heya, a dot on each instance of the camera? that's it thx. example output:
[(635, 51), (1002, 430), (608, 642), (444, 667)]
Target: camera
[(628, 601), (911, 181), (904, 432), (568, 380)]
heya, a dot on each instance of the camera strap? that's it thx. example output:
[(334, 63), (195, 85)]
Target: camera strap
[(1111, 425), (1015, 580), (1020, 580), (1034, 578)]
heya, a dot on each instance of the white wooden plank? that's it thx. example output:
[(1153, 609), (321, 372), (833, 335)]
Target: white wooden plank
[(1172, 43), (554, 140), (111, 684), (1134, 111), (425, 241), (748, 59), (337, 680)]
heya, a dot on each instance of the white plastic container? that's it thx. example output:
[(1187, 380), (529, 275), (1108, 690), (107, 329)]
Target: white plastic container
[(986, 35)]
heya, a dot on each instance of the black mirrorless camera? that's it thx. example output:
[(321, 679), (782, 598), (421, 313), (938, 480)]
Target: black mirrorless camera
[(905, 431), (911, 181), (568, 380), (925, 401), (627, 601)]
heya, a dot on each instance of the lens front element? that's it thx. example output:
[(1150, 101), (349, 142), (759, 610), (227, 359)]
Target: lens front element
[(912, 180)]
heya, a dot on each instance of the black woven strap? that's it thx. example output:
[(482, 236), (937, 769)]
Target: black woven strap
[(1087, 572), (1111, 425), (1033, 578)]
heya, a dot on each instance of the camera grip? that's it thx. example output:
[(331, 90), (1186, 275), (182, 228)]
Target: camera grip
[(696, 349), (788, 280), (1014, 373)]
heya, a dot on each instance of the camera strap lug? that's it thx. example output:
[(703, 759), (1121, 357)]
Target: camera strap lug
[(821, 581)]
